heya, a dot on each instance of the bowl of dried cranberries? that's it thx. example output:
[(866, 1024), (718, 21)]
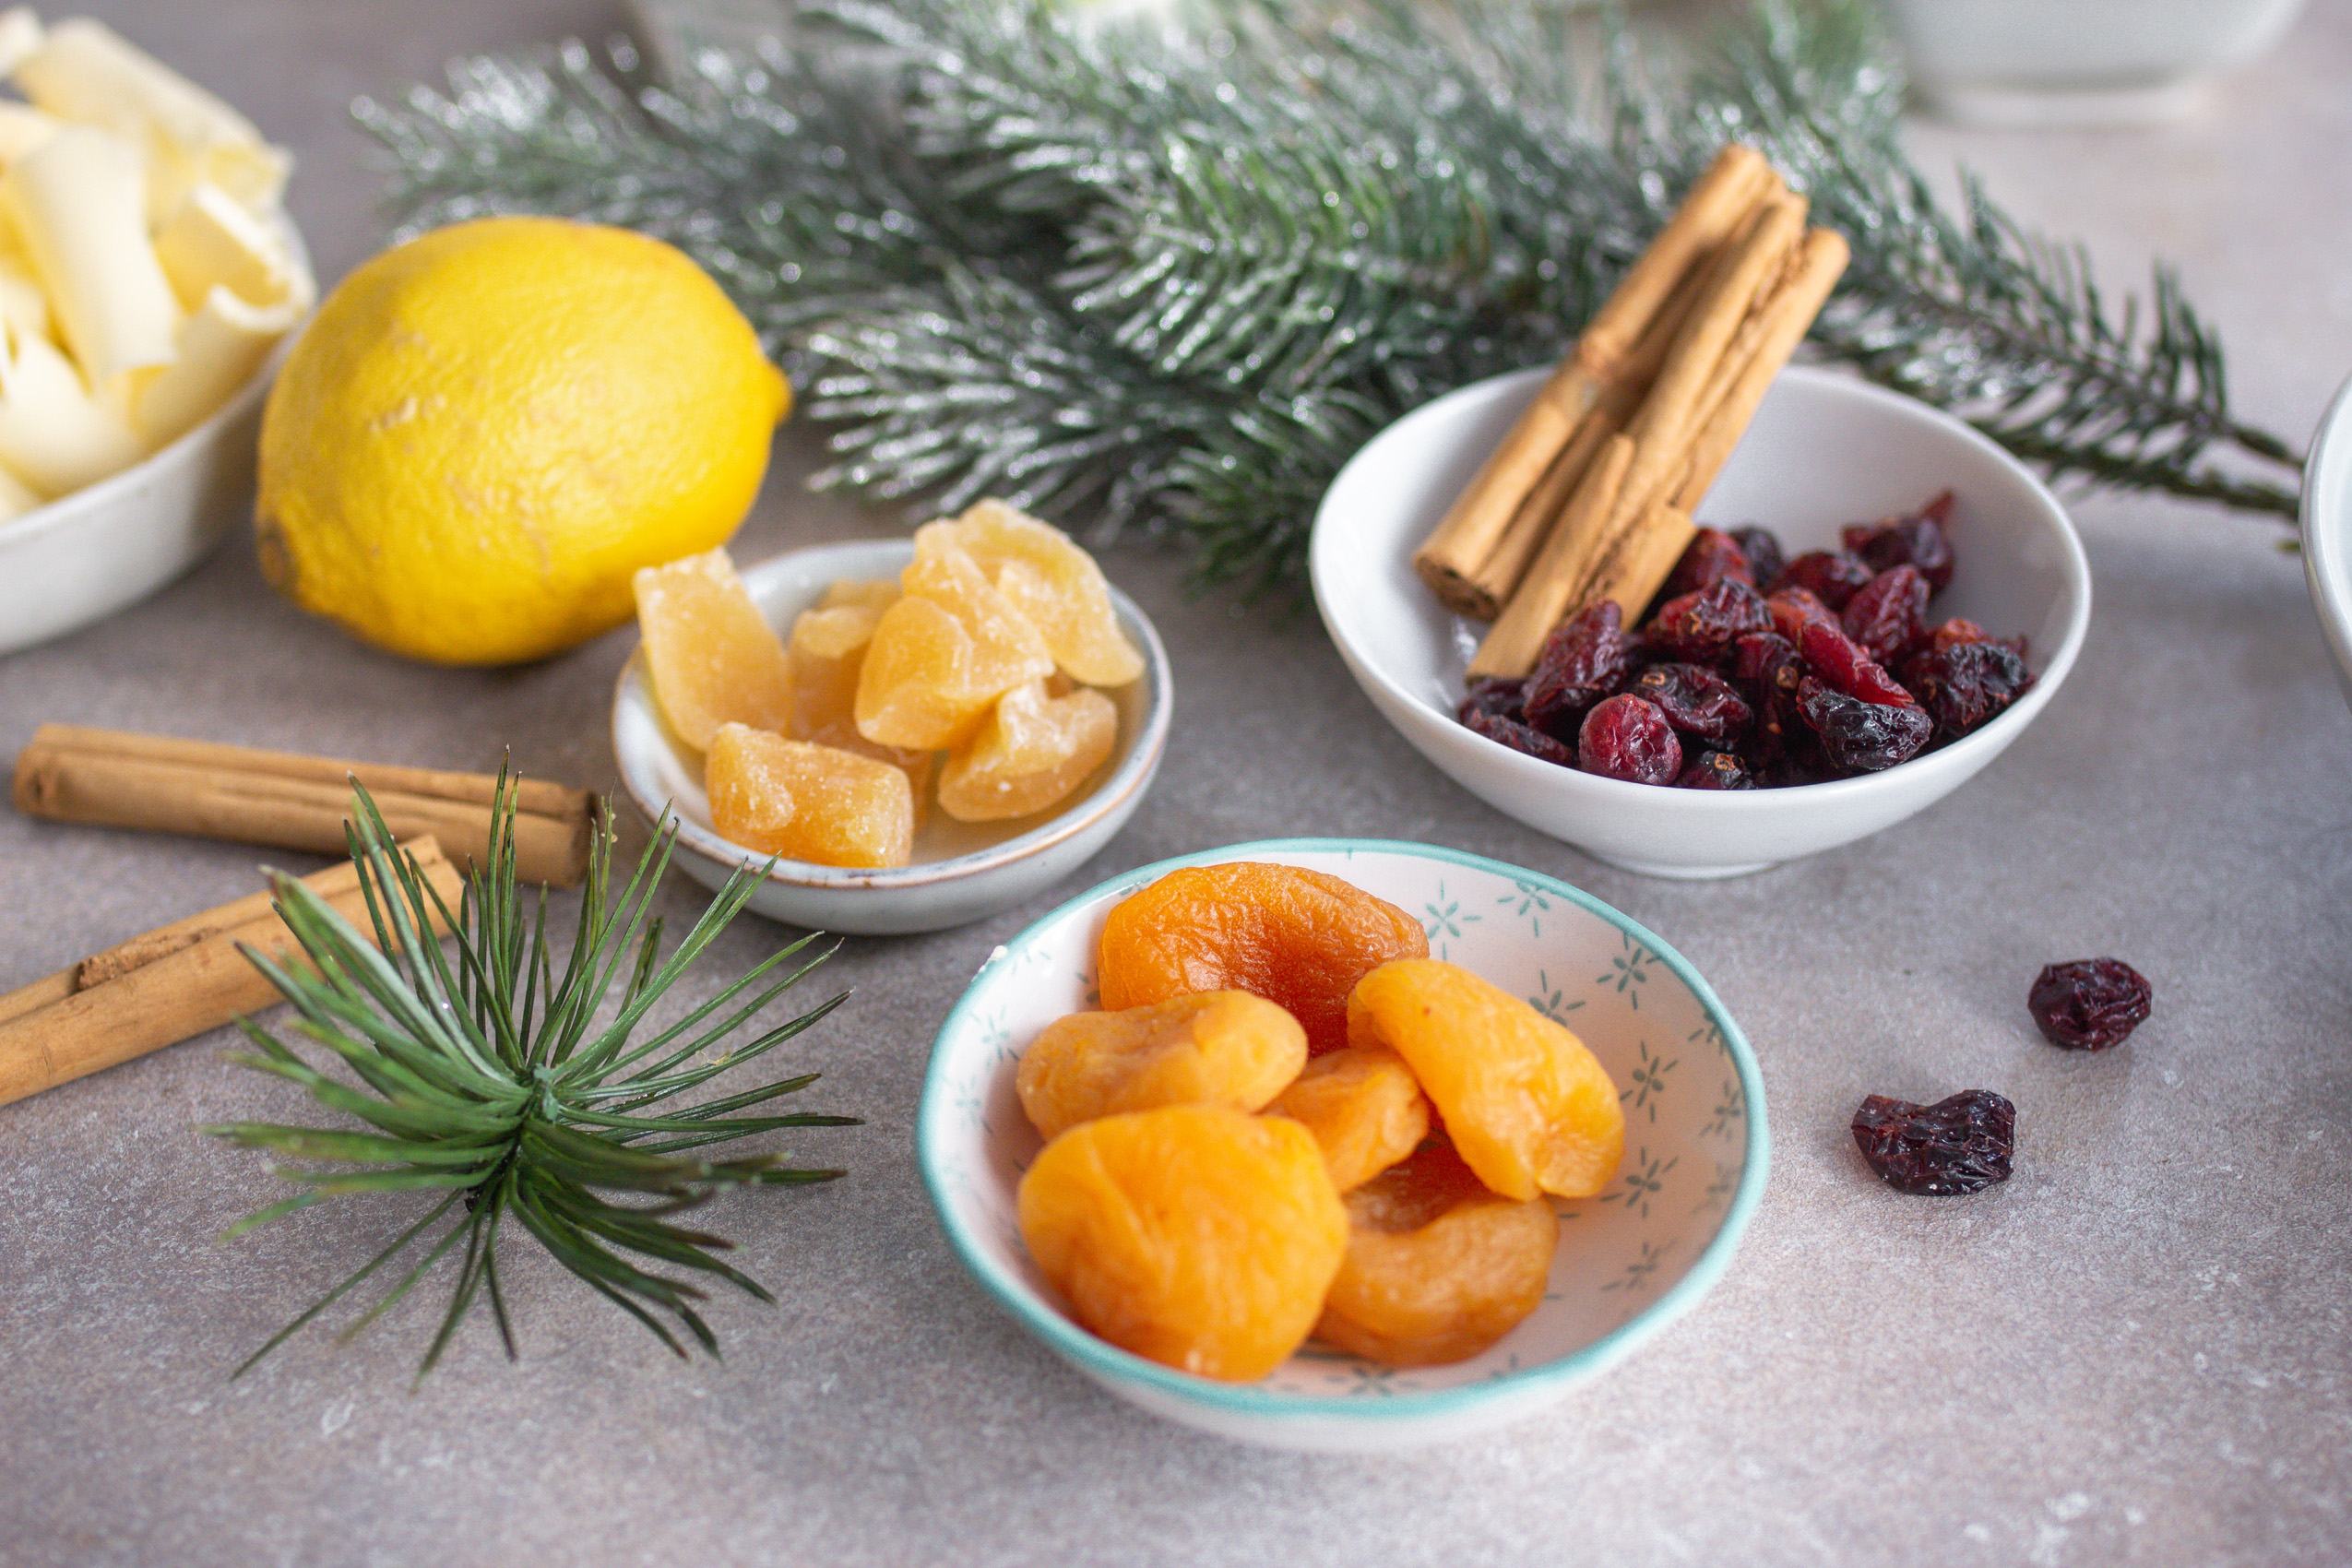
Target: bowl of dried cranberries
[(1880, 603), (1341, 1145)]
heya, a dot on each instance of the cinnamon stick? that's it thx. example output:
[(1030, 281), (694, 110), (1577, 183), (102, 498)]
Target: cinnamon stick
[(113, 778), (1449, 559), (1516, 636), (1644, 559), (172, 983)]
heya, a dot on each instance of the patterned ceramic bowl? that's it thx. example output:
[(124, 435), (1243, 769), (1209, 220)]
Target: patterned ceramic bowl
[(1630, 1261)]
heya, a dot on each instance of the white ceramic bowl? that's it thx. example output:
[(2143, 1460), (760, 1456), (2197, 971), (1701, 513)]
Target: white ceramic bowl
[(961, 871), (2327, 531), (1630, 1261), (1823, 450)]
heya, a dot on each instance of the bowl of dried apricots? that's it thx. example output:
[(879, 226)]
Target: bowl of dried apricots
[(1340, 1144), (902, 735)]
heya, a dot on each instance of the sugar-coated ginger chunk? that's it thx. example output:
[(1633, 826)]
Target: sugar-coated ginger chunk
[(1363, 1107), (944, 653), (1296, 937), (1201, 1237), (1056, 584), (1438, 1268), (1527, 1105), (1031, 753), (807, 802), (828, 649), (1223, 1047), (710, 656)]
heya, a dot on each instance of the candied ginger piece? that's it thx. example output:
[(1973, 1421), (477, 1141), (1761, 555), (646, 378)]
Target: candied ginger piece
[(872, 594), (944, 653), (807, 802), (1056, 584), (1033, 750), (1364, 1108), (1199, 1236), (711, 657), (1219, 1047), (828, 648)]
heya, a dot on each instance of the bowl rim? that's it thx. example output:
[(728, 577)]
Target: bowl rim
[(2327, 570), (1105, 1361), (1133, 773), (1732, 805)]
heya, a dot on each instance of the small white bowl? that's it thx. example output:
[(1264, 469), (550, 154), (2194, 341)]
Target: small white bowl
[(1823, 450), (961, 871), (2327, 531), (1630, 1261)]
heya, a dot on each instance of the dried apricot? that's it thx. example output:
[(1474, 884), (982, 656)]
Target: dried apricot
[(1438, 1268), (710, 657), (1054, 583), (1364, 1108), (1294, 936), (1526, 1104), (942, 653), (1221, 1048), (1199, 1236), (1033, 750), (807, 802)]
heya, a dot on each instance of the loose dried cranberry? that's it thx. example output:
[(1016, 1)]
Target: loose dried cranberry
[(1917, 539), (1701, 627), (1628, 738), (1960, 1144), (2090, 1003), (1831, 575), (1767, 663), (1767, 560), (1711, 556), (1957, 630), (1715, 770), (1583, 660), (1500, 695), (1793, 609), (1518, 737), (1889, 614), (1837, 659), (1965, 684), (1694, 699), (1862, 737)]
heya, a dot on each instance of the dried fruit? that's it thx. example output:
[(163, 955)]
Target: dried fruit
[(1840, 661), (1219, 1047), (1031, 752), (1437, 1268), (1044, 575), (1959, 1144), (944, 653), (1695, 700), (1583, 660), (1917, 539), (1519, 737), (710, 656), (1497, 697), (2089, 1004), (807, 802), (1862, 737), (1195, 1235), (1962, 684), (1711, 556), (1628, 738), (1766, 559), (828, 648), (1889, 614), (1701, 626), (1715, 770), (1831, 575), (1527, 1105), (1364, 1107), (1296, 937)]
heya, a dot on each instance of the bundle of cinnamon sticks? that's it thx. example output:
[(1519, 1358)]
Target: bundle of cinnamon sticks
[(1590, 494)]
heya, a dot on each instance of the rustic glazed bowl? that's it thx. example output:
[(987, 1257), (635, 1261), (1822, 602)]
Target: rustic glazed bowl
[(1630, 1261), (1825, 450), (961, 871)]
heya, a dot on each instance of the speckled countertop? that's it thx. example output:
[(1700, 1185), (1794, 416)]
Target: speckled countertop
[(2139, 1350)]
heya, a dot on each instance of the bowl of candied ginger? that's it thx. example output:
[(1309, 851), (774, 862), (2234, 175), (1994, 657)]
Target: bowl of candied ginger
[(898, 735), (1341, 1145)]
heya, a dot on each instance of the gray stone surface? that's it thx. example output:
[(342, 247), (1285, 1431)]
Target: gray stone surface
[(2136, 1351)]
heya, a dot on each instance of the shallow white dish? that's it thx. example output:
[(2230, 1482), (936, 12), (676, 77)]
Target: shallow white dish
[(1825, 450), (1630, 1261), (2327, 531), (961, 871)]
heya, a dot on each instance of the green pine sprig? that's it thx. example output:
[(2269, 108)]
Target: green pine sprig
[(517, 1089)]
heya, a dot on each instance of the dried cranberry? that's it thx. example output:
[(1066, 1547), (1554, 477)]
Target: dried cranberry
[(1628, 738), (1767, 560), (1583, 660), (1889, 614), (1717, 770), (1959, 629), (1831, 575), (1917, 539), (2090, 1003), (1837, 659), (1793, 609), (1694, 699), (1965, 684), (1960, 1144), (1862, 737), (1767, 663), (1711, 556), (1499, 695), (1519, 737), (1699, 627)]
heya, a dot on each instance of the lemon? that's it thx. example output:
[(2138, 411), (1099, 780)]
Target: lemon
[(484, 432)]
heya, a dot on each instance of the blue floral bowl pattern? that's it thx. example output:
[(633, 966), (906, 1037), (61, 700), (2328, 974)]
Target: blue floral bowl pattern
[(1629, 1262)]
